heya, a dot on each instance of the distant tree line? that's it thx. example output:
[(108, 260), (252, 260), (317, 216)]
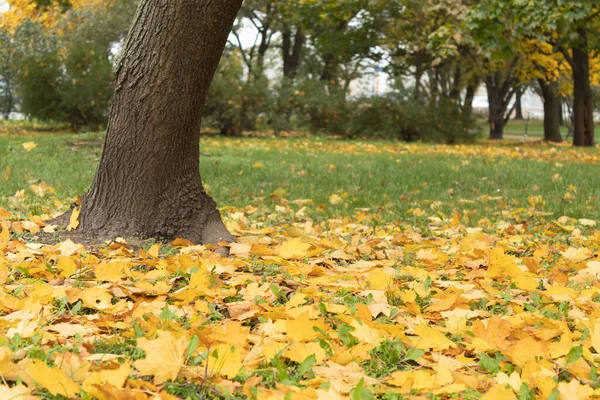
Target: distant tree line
[(307, 57)]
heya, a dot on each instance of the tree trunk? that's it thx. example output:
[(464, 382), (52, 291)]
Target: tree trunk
[(496, 113), (467, 107), (583, 108), (519, 107), (292, 51), (561, 117), (148, 182), (419, 72), (457, 84), (551, 111), (501, 86), (8, 98)]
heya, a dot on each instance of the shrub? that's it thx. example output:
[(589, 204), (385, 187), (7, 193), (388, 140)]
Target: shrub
[(39, 74), (236, 103), (64, 72), (87, 88), (395, 117)]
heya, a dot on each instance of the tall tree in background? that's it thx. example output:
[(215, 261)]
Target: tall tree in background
[(148, 180), (262, 16), (344, 35), (428, 39), (490, 22), (549, 69), (572, 27)]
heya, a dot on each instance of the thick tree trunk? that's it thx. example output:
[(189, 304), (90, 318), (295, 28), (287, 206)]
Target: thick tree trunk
[(583, 108), (148, 180), (551, 111)]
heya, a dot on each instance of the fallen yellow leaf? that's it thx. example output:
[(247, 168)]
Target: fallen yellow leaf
[(29, 146), (74, 221), (52, 379), (164, 356)]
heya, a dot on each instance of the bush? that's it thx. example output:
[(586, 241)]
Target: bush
[(320, 110), (235, 104), (87, 88), (64, 72), (38, 74), (394, 117)]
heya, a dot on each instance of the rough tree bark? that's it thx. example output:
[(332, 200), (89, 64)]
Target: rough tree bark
[(148, 182), (551, 111), (583, 108)]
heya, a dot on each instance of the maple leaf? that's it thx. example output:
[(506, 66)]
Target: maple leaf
[(96, 298), (502, 265), (294, 249), (165, 356), (52, 379), (67, 266), (303, 328), (299, 352), (499, 392), (344, 378), (17, 392), (110, 271), (431, 339), (74, 219), (115, 378), (224, 360), (4, 234)]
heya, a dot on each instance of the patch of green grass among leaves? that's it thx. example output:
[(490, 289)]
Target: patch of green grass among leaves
[(334, 180)]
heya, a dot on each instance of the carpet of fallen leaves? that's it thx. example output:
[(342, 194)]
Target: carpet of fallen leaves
[(490, 150), (305, 310), (356, 307)]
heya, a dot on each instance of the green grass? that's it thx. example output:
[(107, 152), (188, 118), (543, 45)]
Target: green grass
[(315, 169), (535, 128)]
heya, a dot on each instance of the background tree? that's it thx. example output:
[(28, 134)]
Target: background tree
[(572, 28), (7, 73), (64, 56)]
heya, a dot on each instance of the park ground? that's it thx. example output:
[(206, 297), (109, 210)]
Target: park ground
[(363, 270)]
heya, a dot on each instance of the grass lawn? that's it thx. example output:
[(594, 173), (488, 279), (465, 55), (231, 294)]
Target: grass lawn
[(535, 129), (364, 270), (481, 180)]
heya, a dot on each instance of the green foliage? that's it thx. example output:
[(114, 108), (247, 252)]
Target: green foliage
[(39, 74), (235, 104), (322, 110), (87, 87), (65, 73), (7, 72), (395, 117)]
